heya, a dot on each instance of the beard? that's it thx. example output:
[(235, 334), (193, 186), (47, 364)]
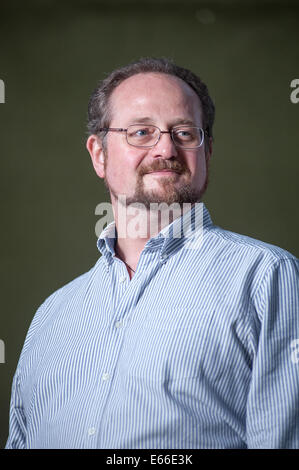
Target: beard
[(167, 193)]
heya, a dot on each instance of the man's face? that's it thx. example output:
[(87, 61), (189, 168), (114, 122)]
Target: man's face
[(164, 101)]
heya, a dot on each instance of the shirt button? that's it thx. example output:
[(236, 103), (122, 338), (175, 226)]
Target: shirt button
[(119, 324), (91, 431), (123, 279), (105, 376)]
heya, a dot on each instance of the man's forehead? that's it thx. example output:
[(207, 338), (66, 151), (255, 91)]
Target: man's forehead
[(144, 88)]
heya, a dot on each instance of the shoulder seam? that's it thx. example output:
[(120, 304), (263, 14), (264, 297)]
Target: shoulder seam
[(248, 243)]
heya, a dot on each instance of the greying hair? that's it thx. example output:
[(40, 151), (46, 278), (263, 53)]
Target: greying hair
[(98, 107)]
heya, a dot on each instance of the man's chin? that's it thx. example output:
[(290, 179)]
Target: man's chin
[(163, 194), (169, 197)]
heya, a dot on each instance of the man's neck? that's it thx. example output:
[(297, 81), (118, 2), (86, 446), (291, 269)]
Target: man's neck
[(133, 232), (136, 226)]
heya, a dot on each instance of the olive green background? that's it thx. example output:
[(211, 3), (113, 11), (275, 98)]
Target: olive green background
[(51, 56)]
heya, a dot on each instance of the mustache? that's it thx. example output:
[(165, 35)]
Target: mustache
[(158, 165)]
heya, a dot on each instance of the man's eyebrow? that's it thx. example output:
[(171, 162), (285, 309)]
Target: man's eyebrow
[(180, 121), (175, 122), (141, 120)]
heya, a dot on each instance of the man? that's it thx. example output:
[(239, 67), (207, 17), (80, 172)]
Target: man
[(181, 336)]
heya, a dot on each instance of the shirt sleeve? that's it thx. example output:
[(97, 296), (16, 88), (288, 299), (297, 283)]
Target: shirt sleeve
[(17, 416), (273, 400), (17, 420)]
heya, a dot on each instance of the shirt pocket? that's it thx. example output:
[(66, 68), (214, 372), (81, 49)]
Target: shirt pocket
[(168, 344)]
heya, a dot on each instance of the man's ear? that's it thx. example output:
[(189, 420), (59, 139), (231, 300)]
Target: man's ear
[(95, 148)]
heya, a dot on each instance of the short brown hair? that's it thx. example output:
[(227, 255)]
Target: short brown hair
[(98, 107)]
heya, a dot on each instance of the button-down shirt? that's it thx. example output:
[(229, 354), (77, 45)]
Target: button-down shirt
[(199, 350)]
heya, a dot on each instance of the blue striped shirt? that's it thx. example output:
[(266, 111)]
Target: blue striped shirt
[(198, 350)]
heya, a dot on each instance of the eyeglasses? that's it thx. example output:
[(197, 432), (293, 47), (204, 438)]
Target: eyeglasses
[(137, 135)]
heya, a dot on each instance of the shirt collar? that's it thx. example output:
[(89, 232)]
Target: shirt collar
[(182, 230)]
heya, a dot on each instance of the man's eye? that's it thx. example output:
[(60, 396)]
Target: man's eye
[(184, 134), (138, 132), (141, 132)]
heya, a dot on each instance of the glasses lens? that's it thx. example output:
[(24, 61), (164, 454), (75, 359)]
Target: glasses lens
[(142, 136), (189, 137)]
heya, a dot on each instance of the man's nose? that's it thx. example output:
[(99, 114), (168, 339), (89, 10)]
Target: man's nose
[(165, 147)]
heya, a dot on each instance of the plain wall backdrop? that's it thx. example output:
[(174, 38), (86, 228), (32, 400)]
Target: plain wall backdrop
[(53, 53)]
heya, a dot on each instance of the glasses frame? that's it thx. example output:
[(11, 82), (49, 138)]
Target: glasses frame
[(120, 129)]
